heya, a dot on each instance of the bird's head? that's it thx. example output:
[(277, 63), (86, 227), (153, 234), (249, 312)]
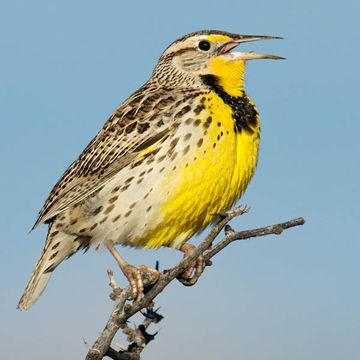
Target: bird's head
[(190, 59)]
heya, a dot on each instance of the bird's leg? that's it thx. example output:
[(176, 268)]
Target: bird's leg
[(191, 275), (134, 273)]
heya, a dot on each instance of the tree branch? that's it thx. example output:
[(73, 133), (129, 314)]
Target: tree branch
[(231, 235), (122, 311)]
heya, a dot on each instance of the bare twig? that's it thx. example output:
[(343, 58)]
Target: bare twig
[(112, 283), (122, 311), (231, 235)]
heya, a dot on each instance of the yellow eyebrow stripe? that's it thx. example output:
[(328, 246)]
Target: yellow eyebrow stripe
[(218, 38)]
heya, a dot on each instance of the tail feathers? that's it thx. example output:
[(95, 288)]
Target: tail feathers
[(55, 251)]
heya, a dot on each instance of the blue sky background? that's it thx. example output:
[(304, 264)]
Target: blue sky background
[(65, 66)]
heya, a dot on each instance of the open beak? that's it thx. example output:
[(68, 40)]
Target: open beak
[(227, 47)]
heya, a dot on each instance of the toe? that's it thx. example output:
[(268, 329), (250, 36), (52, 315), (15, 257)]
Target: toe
[(187, 274), (199, 266), (139, 285), (135, 281), (135, 277), (192, 274)]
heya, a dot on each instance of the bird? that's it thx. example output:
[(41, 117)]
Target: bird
[(178, 151)]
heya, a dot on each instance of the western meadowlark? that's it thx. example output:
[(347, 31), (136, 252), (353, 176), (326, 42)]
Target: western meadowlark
[(181, 148)]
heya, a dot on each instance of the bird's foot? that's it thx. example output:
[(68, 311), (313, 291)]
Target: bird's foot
[(192, 274), (138, 277)]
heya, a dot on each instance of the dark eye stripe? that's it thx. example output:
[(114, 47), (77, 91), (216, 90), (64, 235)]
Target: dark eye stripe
[(179, 52)]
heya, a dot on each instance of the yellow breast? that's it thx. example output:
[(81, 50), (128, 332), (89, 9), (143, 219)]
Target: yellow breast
[(208, 176)]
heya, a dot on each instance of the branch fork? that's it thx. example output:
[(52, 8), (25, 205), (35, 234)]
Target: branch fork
[(123, 310)]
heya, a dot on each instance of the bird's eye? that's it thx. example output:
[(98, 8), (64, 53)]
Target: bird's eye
[(204, 45)]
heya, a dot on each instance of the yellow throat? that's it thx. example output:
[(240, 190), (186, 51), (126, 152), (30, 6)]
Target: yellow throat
[(230, 75)]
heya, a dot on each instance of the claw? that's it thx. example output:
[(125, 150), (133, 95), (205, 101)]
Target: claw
[(135, 274), (192, 274)]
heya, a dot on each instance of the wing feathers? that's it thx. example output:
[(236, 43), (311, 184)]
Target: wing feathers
[(127, 133)]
